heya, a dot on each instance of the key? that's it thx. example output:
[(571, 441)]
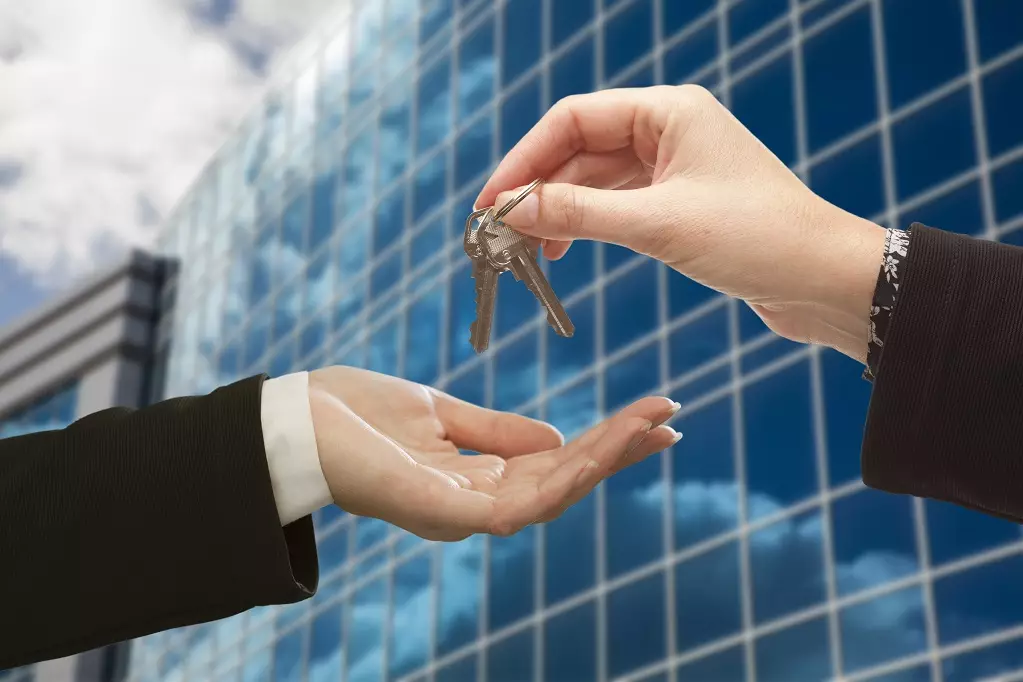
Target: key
[(486, 283), (505, 249)]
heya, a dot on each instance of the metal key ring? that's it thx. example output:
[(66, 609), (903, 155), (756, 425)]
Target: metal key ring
[(468, 232), (517, 200)]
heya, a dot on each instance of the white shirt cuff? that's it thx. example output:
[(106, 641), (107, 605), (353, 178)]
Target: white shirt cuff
[(290, 442)]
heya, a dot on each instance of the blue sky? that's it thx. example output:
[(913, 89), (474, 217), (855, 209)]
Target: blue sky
[(116, 107)]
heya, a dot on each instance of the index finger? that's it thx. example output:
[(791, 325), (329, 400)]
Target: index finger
[(602, 121), (504, 434)]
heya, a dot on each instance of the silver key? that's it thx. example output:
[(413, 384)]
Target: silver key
[(505, 249), (486, 282)]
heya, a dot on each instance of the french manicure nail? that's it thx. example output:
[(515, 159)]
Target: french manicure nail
[(676, 438)]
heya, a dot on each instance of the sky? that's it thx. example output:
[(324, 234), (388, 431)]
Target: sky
[(108, 110)]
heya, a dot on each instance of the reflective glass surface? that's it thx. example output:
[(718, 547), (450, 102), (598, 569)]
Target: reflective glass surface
[(345, 195), (48, 412)]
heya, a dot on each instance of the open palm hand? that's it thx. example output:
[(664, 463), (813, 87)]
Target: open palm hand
[(391, 449)]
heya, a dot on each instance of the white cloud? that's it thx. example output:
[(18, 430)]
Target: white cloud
[(109, 110)]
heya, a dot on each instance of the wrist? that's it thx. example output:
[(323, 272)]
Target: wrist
[(847, 281)]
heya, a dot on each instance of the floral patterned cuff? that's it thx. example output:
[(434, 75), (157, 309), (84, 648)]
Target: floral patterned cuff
[(896, 246)]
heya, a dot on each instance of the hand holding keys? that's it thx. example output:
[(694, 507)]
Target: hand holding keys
[(494, 247)]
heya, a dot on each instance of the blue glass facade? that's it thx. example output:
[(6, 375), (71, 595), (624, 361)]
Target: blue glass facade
[(327, 230), (54, 410)]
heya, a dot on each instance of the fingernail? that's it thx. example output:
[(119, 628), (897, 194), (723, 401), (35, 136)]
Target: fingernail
[(523, 215), (675, 407), (638, 438), (676, 438)]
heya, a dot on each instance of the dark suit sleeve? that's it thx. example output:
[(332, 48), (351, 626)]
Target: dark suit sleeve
[(946, 415), (129, 522)]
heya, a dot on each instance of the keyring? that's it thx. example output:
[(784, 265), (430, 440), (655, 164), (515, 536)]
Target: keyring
[(517, 200), (473, 250)]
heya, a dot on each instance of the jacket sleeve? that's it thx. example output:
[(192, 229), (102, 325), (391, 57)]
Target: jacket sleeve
[(130, 522), (946, 415)]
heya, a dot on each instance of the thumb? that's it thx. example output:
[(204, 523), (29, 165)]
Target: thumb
[(566, 212)]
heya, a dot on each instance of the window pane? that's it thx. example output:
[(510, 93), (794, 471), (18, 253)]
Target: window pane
[(567, 18), (956, 532), (882, 629), (908, 76), (410, 626), (463, 312), (511, 659), (800, 652), (459, 598), (791, 547), (516, 373), (478, 70), (705, 495), (522, 38), (726, 666), (629, 647), (628, 36), (390, 220), (630, 307), (566, 358), (366, 634), (325, 652), (704, 339), (519, 112), (707, 601), (691, 55), (874, 540), (839, 72), (423, 342), (570, 651), (573, 72), (511, 593), (919, 163), (746, 18), (462, 670), (570, 541), (853, 179), (781, 465), (431, 186), (434, 105), (763, 102)]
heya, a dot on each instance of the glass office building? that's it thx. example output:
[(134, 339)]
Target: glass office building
[(328, 228), (55, 410)]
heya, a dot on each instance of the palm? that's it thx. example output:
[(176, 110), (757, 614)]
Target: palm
[(421, 480)]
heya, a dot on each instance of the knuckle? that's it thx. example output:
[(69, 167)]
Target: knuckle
[(695, 95), (573, 209)]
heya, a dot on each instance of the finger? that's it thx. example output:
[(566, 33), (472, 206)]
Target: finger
[(555, 249), (623, 436), (654, 409), (620, 169), (475, 428), (565, 212), (659, 438), (581, 472), (602, 121), (600, 170)]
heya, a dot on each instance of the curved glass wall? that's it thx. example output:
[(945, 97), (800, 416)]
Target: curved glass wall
[(328, 228)]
